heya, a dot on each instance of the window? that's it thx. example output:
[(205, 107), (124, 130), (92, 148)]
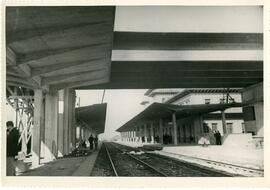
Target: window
[(207, 101), (229, 128), (214, 126), (205, 128)]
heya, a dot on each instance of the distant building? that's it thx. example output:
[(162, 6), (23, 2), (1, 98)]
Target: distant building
[(160, 95), (212, 121)]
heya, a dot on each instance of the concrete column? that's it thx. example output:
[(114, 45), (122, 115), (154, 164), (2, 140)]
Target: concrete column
[(127, 133), (152, 132), (60, 137), (130, 136), (128, 139), (51, 115), (81, 133), (175, 140), (223, 122), (258, 109), (68, 120), (145, 132), (134, 135), (161, 131), (78, 133), (42, 130), (139, 134), (73, 140), (36, 131)]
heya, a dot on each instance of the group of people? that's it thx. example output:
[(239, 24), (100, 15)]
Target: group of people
[(217, 136), (93, 142)]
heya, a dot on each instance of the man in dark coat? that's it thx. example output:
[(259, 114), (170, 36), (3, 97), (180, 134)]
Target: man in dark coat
[(12, 148), (91, 141), (96, 142), (218, 138)]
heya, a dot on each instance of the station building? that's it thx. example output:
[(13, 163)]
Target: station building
[(234, 116), (197, 113)]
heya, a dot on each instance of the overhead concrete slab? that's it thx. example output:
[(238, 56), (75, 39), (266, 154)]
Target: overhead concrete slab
[(92, 117)]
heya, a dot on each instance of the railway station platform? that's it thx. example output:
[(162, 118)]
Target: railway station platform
[(66, 166), (245, 161)]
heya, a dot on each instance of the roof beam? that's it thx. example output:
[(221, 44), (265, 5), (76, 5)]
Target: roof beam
[(71, 67), (23, 70), (10, 57), (165, 66), (26, 58), (79, 84), (43, 32), (160, 84), (25, 81), (92, 75), (189, 74), (187, 41)]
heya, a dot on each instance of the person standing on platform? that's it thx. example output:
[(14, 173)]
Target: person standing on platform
[(12, 148), (96, 142), (91, 141), (218, 138)]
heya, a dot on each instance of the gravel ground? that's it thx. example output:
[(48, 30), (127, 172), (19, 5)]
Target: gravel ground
[(102, 165), (173, 167), (127, 166)]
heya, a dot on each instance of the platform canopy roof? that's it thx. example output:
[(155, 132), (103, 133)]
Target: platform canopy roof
[(80, 47), (93, 117), (157, 111)]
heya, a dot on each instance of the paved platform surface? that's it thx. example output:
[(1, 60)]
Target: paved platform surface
[(69, 166), (234, 156)]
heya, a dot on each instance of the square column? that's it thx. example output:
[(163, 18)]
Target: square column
[(152, 132), (73, 120), (223, 122), (161, 131), (139, 134), (60, 136), (51, 117), (134, 135), (145, 133), (175, 140), (38, 122)]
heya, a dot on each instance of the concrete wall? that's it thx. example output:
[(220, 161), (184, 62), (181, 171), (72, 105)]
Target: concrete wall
[(237, 125), (254, 96)]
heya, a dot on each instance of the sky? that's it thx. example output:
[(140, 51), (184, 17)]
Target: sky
[(122, 105)]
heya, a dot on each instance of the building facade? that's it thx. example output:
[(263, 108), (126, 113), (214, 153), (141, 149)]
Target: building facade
[(211, 122)]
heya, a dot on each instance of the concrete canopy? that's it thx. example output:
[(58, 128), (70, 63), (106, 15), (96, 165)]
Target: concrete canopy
[(157, 111), (60, 47), (93, 116)]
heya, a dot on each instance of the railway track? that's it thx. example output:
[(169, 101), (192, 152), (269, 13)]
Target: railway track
[(176, 168), (231, 169), (118, 160), (128, 165), (235, 170)]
